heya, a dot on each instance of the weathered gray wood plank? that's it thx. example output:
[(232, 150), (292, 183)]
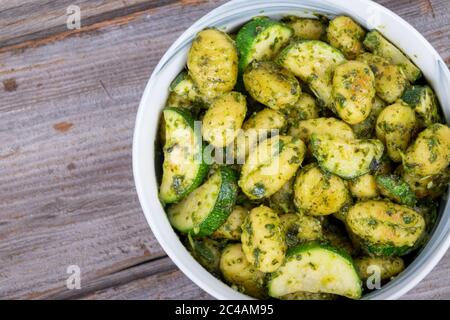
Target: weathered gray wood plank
[(67, 106), (170, 283), (26, 20), (66, 188)]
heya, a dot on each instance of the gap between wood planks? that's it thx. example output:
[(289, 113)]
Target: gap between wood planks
[(114, 17)]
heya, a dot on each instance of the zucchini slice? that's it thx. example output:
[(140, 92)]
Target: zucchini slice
[(316, 268), (423, 100), (348, 159), (261, 39), (208, 207), (325, 126), (313, 62), (213, 63), (263, 239), (394, 188), (184, 86), (383, 228), (378, 45), (270, 165), (240, 273), (184, 167)]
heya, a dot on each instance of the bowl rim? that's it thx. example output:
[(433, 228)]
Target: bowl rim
[(178, 253)]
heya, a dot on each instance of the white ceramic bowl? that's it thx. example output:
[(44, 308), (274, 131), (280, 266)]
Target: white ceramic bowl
[(228, 17)]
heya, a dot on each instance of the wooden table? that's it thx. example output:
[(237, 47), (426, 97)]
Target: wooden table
[(68, 101)]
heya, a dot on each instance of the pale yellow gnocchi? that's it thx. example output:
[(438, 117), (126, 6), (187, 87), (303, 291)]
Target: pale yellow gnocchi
[(353, 91), (318, 193), (325, 126), (271, 85), (263, 239), (395, 127), (224, 119), (346, 35), (273, 163), (336, 158), (213, 63)]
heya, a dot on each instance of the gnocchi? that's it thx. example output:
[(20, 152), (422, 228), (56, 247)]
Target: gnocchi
[(338, 157), (263, 240)]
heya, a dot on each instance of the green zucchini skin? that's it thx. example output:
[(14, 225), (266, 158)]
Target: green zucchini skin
[(396, 189), (200, 216), (202, 168), (423, 100), (183, 75), (383, 228), (380, 46), (224, 205), (306, 251), (248, 34), (329, 155)]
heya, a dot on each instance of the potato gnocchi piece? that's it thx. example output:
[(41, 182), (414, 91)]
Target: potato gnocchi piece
[(261, 39), (318, 193), (306, 28), (389, 267), (378, 45), (266, 119), (263, 240), (326, 126), (224, 119), (313, 62), (383, 228), (395, 188), (429, 187), (273, 163), (213, 63), (271, 85), (257, 128), (232, 228), (353, 91), (390, 81), (304, 109), (430, 154), (282, 201), (366, 129), (364, 187), (423, 100), (240, 273), (346, 35), (348, 159), (395, 127)]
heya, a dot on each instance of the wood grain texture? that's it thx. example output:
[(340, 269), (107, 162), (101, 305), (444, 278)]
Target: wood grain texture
[(27, 20), (66, 187), (68, 101)]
